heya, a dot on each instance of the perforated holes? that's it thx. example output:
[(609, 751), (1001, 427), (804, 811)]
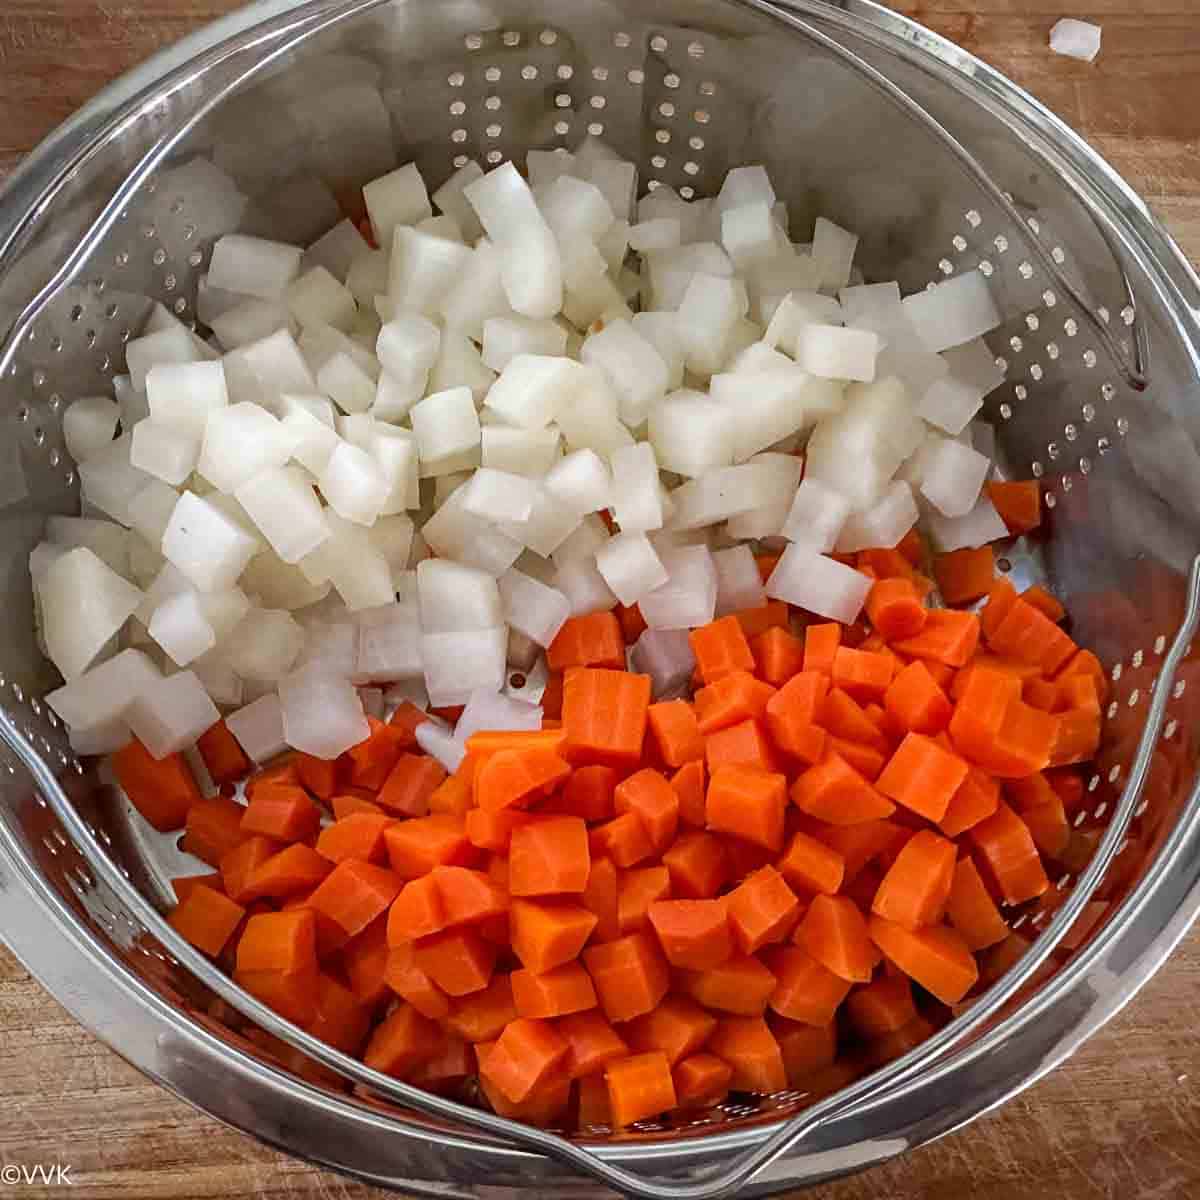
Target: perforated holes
[(457, 108), (56, 345), (973, 218), (562, 100), (1037, 469), (473, 41), (595, 129), (658, 162), (494, 131), (666, 109), (1085, 466), (121, 258), (1051, 500), (456, 79), (1001, 364), (1179, 688), (1016, 343), (597, 101), (622, 41), (492, 103), (985, 268), (636, 76), (1025, 270), (55, 402), (159, 257), (1052, 350), (1107, 391), (548, 37), (658, 43), (1049, 299), (1089, 412), (1020, 391), (1031, 322), (1089, 359), (1122, 425), (565, 71), (39, 436), (945, 266), (529, 72), (1169, 729), (53, 458), (1052, 450), (510, 37), (76, 312), (1058, 254), (702, 116), (662, 136), (1160, 644), (1127, 314), (691, 168), (493, 74), (562, 128), (460, 160), (671, 80), (458, 135), (696, 142), (687, 192), (1035, 372)]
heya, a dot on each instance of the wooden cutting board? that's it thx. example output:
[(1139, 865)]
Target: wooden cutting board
[(1121, 1120)]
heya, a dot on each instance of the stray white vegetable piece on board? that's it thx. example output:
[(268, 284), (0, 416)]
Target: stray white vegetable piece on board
[(1075, 39)]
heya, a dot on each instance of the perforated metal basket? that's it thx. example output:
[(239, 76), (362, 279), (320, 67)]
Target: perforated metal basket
[(942, 166)]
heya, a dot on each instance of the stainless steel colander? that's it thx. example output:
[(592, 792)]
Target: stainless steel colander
[(942, 166)]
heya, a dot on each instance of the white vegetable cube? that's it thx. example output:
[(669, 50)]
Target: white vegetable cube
[(424, 270), (590, 419), (819, 584), (89, 425), (310, 440), (631, 567), (440, 744), (171, 714), (451, 199), (109, 481), (180, 627), (953, 312), (109, 542), (533, 608), (488, 711), (181, 395), (660, 233), (548, 525), (389, 645), (278, 364), (746, 185), (395, 454), (174, 345), (833, 252), (768, 519), (1075, 39), (981, 525), (953, 477), (458, 664), (398, 198), (532, 273), (835, 353), (581, 582), (396, 394), (101, 739), (708, 314), (529, 452), (354, 485), (661, 330), (224, 610), (250, 321), (163, 452), (103, 693), (581, 481), (749, 235), (617, 180), (950, 401), (337, 249), (445, 423), (796, 310), (318, 298), (575, 210), (206, 545), (723, 493), (240, 442), (635, 368), (253, 266), (84, 603), (343, 378), (884, 524), (588, 538), (454, 598), (739, 584), (452, 532), (408, 344), (666, 656), (544, 166), (322, 714), (532, 390), (258, 728), (504, 203), (637, 503), (265, 645), (816, 517), (283, 506), (688, 598), (500, 496), (506, 337), (692, 433)]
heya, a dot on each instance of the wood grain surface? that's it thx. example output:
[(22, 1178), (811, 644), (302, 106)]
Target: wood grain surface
[(1120, 1120)]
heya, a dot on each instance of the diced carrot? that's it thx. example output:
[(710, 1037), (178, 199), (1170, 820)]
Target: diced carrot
[(882, 1006), (835, 792), (318, 775), (633, 624), (402, 1042), (601, 899), (965, 575), (762, 909), (594, 1112), (458, 960), (971, 909), (546, 934), (749, 1047), (858, 844), (915, 703), (701, 1080), (834, 933), (483, 1015), (293, 870), (1018, 502), (845, 718), (347, 803), (676, 732), (868, 761), (630, 974), (1041, 809), (184, 885), (482, 745), (949, 637), (1084, 662), (894, 608), (639, 1087), (806, 1049), (922, 776), (545, 1105), (689, 785), (792, 716), (745, 857), (721, 648), (778, 655), (365, 960), (975, 801), (624, 839), (916, 887), (766, 564), (594, 640), (358, 836), (678, 1027), (214, 827), (354, 894), (755, 621), (566, 989), (735, 697), (416, 911), (1027, 634), (410, 783), (493, 830), (411, 983), (592, 1043), (448, 1069), (811, 867), (698, 866), (467, 897), (636, 891), (748, 803), (223, 755), (741, 745), (371, 760), (207, 918), (648, 795), (862, 674), (1040, 693), (454, 796), (935, 957), (285, 813), (549, 856), (1044, 602), (281, 771), (278, 942), (525, 1054), (587, 794), (552, 698), (741, 984), (292, 994), (338, 1019), (1006, 847), (604, 715), (694, 934), (1076, 737), (1024, 743), (416, 846), (239, 865), (805, 990), (821, 643), (912, 547), (516, 778), (162, 790)]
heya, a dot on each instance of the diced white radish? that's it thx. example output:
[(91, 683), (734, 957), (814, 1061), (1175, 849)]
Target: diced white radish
[(834, 353), (317, 345), (395, 454), (108, 542), (440, 744), (951, 401), (181, 628), (182, 395), (617, 180), (666, 656), (478, 294), (109, 481), (224, 610), (883, 525), (636, 370), (311, 441), (275, 584), (589, 420), (171, 714), (265, 645), (336, 250), (796, 310), (317, 297), (354, 485), (41, 557), (174, 345), (163, 452), (545, 166), (586, 541), (322, 714), (693, 433), (746, 185), (211, 302), (637, 502), (83, 604), (581, 582), (500, 496), (396, 394), (355, 428), (954, 312), (529, 452), (240, 442), (581, 481), (450, 198), (393, 537), (398, 198), (205, 544), (749, 235), (281, 503), (457, 664), (1075, 39), (874, 302), (389, 645), (454, 598), (253, 266), (407, 345), (531, 607), (661, 330), (258, 728), (575, 210), (347, 383), (459, 365), (250, 321), (332, 647), (590, 295), (445, 423), (630, 566), (720, 494), (816, 517), (953, 476), (101, 739), (661, 233), (504, 203), (424, 270), (981, 525), (688, 598), (708, 314), (454, 533), (532, 390), (504, 338), (495, 711), (170, 581), (368, 275), (833, 253), (768, 519), (819, 584), (103, 693), (739, 584), (767, 406), (671, 271), (89, 425)]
